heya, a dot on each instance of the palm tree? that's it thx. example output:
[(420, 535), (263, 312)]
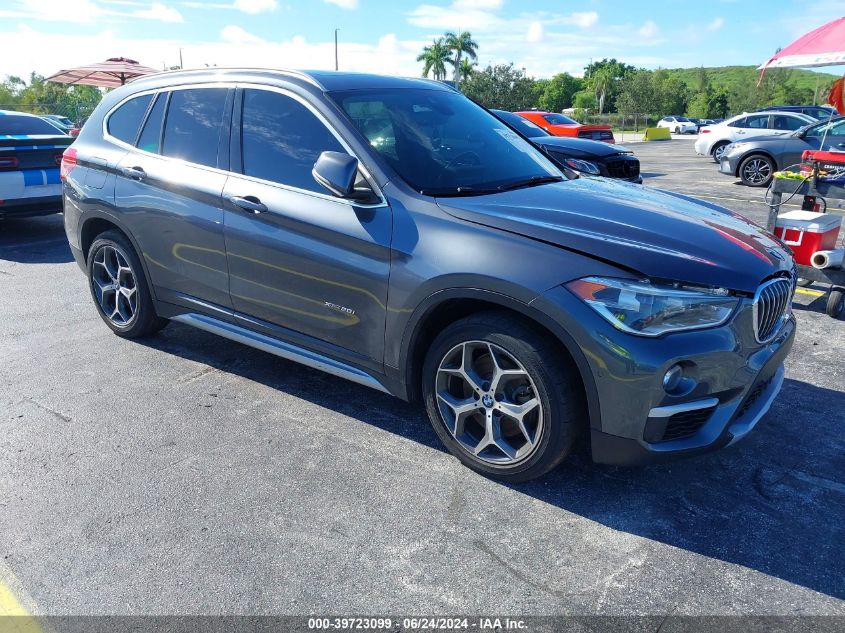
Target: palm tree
[(434, 59), (461, 44), (602, 81), (466, 69)]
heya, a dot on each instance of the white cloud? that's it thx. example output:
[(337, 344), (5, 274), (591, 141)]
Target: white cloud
[(344, 4), (479, 15), (255, 6), (236, 35), (716, 24), (535, 32), (583, 19), (649, 30), (159, 12)]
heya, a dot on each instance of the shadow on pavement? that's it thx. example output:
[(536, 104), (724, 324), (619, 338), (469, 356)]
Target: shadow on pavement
[(39, 240), (774, 503)]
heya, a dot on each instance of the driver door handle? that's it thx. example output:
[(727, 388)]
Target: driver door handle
[(136, 173), (248, 203)]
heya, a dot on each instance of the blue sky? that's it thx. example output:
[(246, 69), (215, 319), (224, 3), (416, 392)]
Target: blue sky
[(543, 36)]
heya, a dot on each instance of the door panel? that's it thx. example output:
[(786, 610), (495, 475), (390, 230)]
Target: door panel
[(298, 257)]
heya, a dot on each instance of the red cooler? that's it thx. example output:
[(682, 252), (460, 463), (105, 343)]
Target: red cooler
[(807, 232)]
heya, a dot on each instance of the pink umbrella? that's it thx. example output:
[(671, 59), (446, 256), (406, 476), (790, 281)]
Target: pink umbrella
[(111, 73), (824, 46)]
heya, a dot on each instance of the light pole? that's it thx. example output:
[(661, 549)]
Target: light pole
[(335, 48), (181, 64)]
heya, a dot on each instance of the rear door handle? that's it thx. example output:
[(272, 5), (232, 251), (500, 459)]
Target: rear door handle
[(136, 173), (248, 203)]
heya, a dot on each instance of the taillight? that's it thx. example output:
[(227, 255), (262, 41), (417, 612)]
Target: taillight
[(68, 163), (704, 130), (9, 162)]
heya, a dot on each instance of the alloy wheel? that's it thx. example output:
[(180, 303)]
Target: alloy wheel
[(114, 285), (718, 153), (489, 403), (756, 171)]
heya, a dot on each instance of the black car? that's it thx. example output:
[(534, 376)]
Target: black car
[(392, 232), (30, 153), (584, 156)]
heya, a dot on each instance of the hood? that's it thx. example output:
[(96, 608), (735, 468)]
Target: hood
[(581, 145), (777, 137), (656, 233)]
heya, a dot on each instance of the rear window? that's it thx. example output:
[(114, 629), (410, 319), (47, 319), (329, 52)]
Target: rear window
[(193, 125), (559, 119), (17, 125), (124, 122)]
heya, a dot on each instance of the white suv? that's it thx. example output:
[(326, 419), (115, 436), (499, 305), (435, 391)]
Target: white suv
[(678, 124), (713, 139)]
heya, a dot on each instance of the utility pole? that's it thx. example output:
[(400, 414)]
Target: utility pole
[(335, 48), (181, 65)]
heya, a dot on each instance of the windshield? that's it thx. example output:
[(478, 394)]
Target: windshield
[(559, 119), (526, 127), (682, 119), (836, 127), (15, 125), (441, 143)]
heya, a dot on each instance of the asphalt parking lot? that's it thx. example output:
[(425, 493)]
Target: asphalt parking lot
[(186, 474)]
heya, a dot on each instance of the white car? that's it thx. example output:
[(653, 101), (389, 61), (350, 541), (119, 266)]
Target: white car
[(713, 139), (678, 124)]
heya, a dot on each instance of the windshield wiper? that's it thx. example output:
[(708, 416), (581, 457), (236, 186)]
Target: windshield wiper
[(457, 191), (529, 182)]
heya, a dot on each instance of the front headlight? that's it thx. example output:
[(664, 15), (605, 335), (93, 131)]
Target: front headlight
[(731, 147), (645, 309), (583, 166)]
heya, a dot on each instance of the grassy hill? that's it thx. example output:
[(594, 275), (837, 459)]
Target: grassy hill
[(734, 78)]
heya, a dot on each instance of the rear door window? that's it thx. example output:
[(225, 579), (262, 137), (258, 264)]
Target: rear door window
[(150, 139), (124, 122), (757, 122), (194, 124), (282, 139), (785, 122)]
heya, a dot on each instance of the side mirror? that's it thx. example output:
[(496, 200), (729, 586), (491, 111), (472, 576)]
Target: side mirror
[(336, 172)]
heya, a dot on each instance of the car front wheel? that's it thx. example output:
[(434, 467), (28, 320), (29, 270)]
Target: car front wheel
[(502, 400), (756, 171)]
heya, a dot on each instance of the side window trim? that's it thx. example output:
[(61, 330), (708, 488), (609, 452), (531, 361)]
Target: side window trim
[(236, 149), (165, 96), (144, 120)]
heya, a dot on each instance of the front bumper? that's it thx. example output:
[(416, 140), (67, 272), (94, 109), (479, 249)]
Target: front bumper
[(634, 421), (729, 165)]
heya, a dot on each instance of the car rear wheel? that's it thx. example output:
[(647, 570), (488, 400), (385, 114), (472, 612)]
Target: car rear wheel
[(119, 287), (500, 400), (836, 303), (718, 151), (756, 171)]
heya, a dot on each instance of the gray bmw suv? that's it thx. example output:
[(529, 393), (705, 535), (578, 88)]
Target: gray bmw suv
[(394, 233)]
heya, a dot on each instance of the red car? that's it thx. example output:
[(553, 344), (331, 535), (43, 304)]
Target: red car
[(560, 125)]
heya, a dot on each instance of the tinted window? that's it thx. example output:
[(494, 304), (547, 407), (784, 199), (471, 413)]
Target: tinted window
[(529, 129), (441, 143), (559, 119), (738, 122), (757, 122), (193, 125), (151, 134), (783, 122), (124, 122), (282, 139), (834, 128), (15, 125)]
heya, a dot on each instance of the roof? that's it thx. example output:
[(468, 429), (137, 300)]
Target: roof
[(326, 80), (15, 112)]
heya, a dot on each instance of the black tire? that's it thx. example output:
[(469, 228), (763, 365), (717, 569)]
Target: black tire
[(761, 168), (556, 384), (677, 130), (143, 320), (715, 149), (836, 303)]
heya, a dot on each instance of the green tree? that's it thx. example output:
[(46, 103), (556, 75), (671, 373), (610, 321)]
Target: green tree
[(466, 69), (670, 94), (461, 44), (637, 94), (602, 83), (557, 92), (717, 105), (616, 71), (434, 59), (502, 86), (699, 106), (584, 100)]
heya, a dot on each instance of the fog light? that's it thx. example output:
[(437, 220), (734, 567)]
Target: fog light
[(672, 378)]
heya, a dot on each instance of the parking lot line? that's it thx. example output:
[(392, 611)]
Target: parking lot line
[(16, 610), (811, 292)]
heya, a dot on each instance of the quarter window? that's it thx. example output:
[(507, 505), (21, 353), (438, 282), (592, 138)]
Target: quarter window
[(282, 139), (151, 134), (124, 122), (759, 122), (738, 122), (193, 125)]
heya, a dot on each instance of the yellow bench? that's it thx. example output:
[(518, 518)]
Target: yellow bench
[(657, 134)]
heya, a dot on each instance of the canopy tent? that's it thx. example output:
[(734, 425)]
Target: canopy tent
[(111, 73), (824, 46)]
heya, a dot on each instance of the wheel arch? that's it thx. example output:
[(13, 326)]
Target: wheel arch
[(97, 223), (447, 306), (754, 152)]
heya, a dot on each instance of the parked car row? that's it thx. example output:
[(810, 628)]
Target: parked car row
[(753, 146)]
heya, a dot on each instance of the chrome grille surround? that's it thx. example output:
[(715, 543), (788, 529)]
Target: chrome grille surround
[(771, 307)]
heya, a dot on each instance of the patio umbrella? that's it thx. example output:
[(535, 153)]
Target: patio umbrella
[(824, 46), (111, 73)]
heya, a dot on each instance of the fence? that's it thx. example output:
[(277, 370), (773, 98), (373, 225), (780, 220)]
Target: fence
[(77, 113), (626, 122)]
